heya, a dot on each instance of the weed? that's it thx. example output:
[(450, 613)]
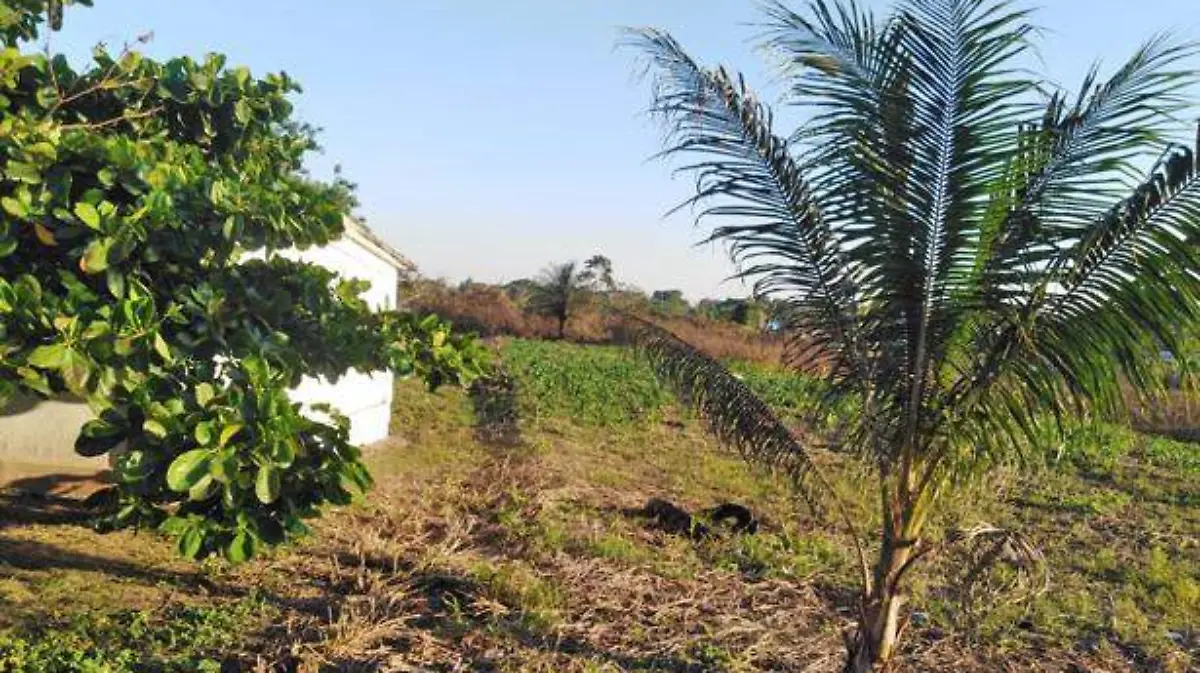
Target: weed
[(1171, 454), (537, 601), (184, 638)]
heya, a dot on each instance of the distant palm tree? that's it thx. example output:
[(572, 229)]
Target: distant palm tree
[(598, 272), (969, 249), (557, 292)]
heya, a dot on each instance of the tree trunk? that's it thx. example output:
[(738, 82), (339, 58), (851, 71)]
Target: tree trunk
[(879, 628), (875, 642), (562, 327)]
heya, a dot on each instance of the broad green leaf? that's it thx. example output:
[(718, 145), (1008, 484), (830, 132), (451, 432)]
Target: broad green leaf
[(98, 437), (155, 428), (23, 172), (52, 356), (284, 451), (203, 433), (241, 548), (76, 371), (44, 235), (266, 487), (242, 111), (228, 432), (188, 469), (14, 207), (224, 468), (204, 394), (115, 281), (190, 542), (161, 347), (202, 489), (97, 329), (95, 256), (34, 380), (43, 149), (8, 297), (88, 214)]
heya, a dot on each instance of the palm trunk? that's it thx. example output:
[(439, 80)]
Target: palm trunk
[(878, 631)]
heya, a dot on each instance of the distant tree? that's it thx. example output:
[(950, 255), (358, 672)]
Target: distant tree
[(748, 312), (669, 302), (971, 250), (521, 289), (557, 292), (598, 272)]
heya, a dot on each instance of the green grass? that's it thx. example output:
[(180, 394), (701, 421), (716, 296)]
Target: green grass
[(182, 638)]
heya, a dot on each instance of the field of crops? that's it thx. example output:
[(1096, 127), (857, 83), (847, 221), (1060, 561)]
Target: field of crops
[(594, 385)]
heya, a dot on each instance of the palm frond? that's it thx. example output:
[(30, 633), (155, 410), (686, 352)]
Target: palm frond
[(746, 176), (912, 127), (849, 78), (1131, 285), (740, 419), (732, 412), (1081, 158), (966, 101), (1068, 170), (1109, 305)]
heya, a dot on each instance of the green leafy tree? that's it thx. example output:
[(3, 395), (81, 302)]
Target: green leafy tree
[(130, 191), (558, 291), (970, 249), (669, 302)]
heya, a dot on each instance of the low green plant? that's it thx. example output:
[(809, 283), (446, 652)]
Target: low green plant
[(768, 555), (183, 638), (794, 396), (537, 600), (594, 385), (1172, 454)]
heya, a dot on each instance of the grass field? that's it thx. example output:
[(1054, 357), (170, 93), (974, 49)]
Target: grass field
[(469, 557)]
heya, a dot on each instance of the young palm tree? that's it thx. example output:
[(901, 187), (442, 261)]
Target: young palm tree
[(557, 292), (966, 249)]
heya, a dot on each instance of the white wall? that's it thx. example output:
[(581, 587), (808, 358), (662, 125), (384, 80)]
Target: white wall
[(39, 438), (365, 398)]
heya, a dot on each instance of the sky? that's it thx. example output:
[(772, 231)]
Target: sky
[(492, 138)]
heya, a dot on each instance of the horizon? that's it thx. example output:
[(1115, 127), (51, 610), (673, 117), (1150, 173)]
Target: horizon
[(490, 142)]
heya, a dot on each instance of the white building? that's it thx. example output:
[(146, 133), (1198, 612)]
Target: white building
[(37, 438), (365, 398)]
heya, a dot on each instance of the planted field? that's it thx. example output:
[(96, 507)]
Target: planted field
[(535, 558), (593, 385)]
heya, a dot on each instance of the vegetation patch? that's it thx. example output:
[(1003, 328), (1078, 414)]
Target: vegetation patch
[(592, 385), (181, 638)]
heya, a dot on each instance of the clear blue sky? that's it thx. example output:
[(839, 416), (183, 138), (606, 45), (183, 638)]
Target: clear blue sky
[(490, 138)]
